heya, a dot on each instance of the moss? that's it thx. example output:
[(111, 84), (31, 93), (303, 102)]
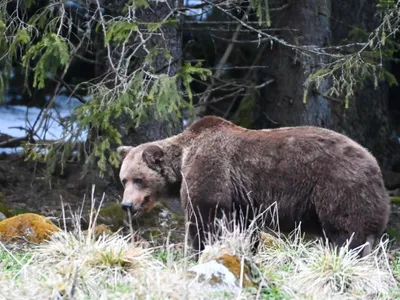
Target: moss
[(234, 265), (4, 209), (269, 241), (395, 200), (19, 211), (154, 233), (113, 216), (394, 233), (30, 227)]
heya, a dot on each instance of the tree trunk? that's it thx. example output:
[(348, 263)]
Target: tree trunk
[(324, 23)]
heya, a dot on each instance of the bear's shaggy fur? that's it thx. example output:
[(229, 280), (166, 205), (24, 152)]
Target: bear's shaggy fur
[(317, 176)]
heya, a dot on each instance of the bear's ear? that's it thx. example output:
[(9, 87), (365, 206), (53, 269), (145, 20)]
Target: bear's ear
[(153, 155), (123, 150)]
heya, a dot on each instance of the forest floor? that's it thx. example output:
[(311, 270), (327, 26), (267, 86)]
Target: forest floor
[(77, 266), (26, 188)]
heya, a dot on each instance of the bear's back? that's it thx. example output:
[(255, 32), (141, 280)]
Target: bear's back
[(209, 122)]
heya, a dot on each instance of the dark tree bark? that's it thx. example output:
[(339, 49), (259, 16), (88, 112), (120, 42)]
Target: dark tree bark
[(324, 23)]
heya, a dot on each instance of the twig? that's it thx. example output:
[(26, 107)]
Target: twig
[(68, 87), (225, 57), (14, 142), (245, 78), (269, 119), (219, 99)]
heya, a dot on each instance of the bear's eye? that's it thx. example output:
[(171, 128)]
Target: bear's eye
[(137, 180)]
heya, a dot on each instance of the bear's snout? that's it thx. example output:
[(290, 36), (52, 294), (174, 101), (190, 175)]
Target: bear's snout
[(129, 207), (137, 210), (126, 205)]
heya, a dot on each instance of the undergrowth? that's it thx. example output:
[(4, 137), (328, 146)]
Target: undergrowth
[(74, 265)]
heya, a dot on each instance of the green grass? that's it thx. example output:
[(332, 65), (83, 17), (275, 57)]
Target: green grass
[(396, 266), (13, 261)]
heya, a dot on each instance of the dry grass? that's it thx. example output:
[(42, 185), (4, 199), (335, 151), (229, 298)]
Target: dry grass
[(76, 266)]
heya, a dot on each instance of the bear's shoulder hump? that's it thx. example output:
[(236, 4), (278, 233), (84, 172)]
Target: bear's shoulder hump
[(209, 122)]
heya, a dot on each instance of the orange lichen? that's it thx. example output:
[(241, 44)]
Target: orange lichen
[(234, 265), (99, 230), (269, 241), (30, 227)]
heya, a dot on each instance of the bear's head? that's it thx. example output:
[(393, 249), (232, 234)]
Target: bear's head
[(147, 175)]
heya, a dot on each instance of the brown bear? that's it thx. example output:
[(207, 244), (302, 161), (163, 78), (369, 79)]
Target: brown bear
[(318, 177)]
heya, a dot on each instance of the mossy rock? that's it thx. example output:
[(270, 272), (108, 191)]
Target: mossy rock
[(4, 209), (269, 241), (150, 219), (154, 224), (234, 265), (225, 270), (159, 223), (33, 228), (113, 216)]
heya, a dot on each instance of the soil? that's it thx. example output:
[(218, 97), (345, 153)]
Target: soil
[(26, 188)]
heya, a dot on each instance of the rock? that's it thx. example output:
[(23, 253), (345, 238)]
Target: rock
[(217, 275), (159, 222), (223, 272), (33, 228), (2, 216), (173, 205), (113, 216)]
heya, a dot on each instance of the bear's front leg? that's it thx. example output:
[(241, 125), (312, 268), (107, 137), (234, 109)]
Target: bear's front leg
[(201, 214), (203, 202)]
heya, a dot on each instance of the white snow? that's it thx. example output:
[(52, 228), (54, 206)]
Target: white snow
[(14, 118)]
